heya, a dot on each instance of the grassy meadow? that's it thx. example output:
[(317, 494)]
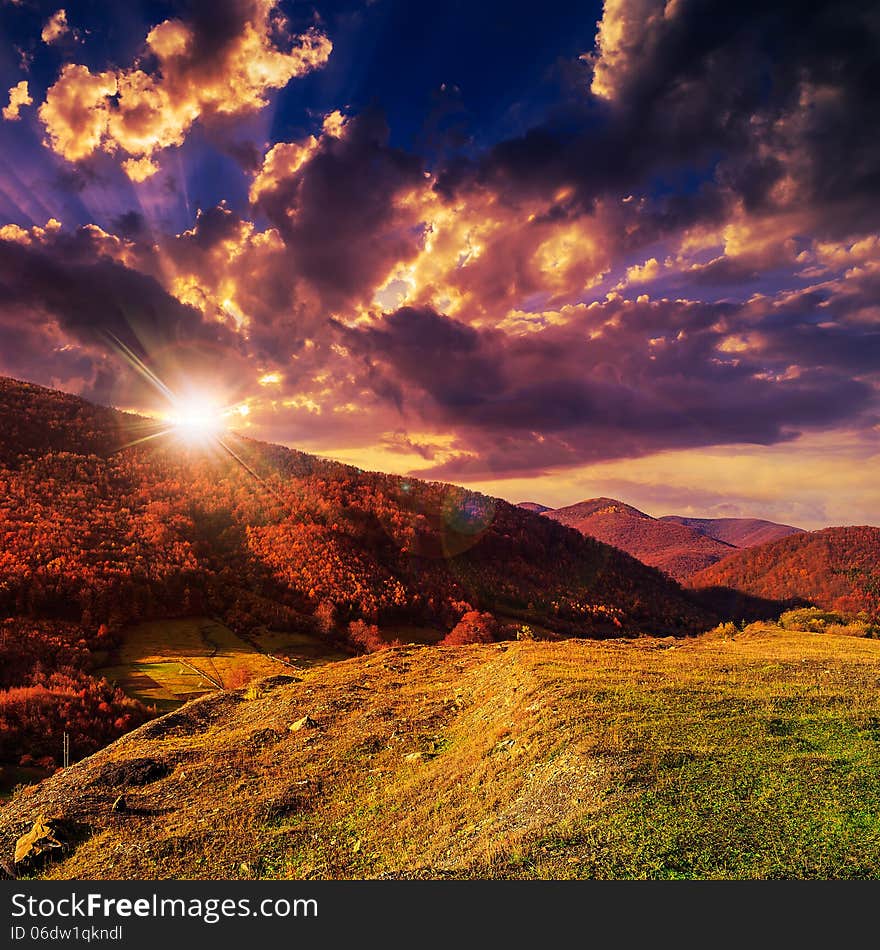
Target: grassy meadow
[(748, 754), (165, 663)]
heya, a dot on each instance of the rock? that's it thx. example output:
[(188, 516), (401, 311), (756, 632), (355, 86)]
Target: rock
[(40, 840), (305, 723), (414, 757), (261, 738)]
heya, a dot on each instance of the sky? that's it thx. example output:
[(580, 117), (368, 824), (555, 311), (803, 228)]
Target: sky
[(549, 251)]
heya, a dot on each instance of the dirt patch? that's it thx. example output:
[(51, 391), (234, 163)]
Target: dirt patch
[(195, 718), (274, 682), (133, 772), (295, 799)]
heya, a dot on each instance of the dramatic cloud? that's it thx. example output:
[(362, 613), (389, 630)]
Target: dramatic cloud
[(67, 302), (620, 378), (18, 97), (222, 62), (682, 254), (766, 109), (56, 26), (340, 203)]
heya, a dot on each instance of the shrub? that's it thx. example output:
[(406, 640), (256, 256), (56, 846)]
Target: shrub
[(814, 620), (809, 619), (34, 718), (474, 627), (726, 629), (367, 637)]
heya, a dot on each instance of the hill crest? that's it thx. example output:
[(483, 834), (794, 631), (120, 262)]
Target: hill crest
[(835, 568), (740, 532), (677, 550)]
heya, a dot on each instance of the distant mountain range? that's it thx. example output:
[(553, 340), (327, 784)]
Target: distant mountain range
[(740, 532), (677, 545)]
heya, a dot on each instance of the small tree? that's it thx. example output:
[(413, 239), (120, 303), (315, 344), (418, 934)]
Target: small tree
[(325, 616), (474, 627), (239, 677), (366, 635)]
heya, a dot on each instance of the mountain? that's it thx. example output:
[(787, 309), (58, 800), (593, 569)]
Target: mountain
[(676, 549), (836, 568), (533, 506), (106, 522), (740, 532)]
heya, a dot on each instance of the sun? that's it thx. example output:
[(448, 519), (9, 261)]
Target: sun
[(198, 419)]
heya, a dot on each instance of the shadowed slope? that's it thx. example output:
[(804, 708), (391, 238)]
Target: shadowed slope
[(836, 568)]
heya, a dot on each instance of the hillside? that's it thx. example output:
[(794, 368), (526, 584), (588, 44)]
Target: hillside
[(534, 507), (740, 532), (836, 568), (103, 526), (530, 760), (676, 549)]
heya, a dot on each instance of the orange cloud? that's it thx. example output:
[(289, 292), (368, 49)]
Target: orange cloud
[(34, 235), (18, 97), (55, 27), (77, 111), (625, 27), (138, 113)]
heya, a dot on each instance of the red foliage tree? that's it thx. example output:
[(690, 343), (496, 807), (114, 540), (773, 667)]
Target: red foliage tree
[(474, 627)]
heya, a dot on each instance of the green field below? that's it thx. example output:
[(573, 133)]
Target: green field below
[(165, 663)]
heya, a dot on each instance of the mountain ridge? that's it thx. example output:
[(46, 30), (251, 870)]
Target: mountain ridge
[(739, 532), (380, 536), (678, 546), (835, 568)]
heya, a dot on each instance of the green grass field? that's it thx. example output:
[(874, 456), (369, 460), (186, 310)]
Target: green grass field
[(165, 663)]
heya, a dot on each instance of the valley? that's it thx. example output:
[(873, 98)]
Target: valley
[(165, 663)]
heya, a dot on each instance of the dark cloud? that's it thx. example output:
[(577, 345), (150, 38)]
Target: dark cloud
[(131, 224), (741, 96), (337, 211), (62, 296), (565, 396), (727, 157)]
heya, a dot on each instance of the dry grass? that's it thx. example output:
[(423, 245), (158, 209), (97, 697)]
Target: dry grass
[(752, 756)]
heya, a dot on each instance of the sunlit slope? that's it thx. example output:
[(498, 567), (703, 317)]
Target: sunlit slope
[(748, 757), (836, 568), (101, 522), (676, 549)]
